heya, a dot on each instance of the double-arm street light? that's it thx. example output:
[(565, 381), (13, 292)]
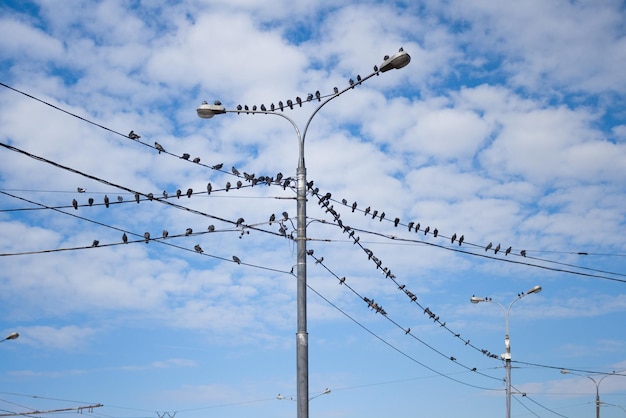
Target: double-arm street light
[(11, 336), (595, 382), (507, 344), (207, 111)]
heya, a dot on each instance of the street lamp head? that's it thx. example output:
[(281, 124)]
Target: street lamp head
[(476, 299), (535, 289), (207, 111), (396, 61), (11, 336)]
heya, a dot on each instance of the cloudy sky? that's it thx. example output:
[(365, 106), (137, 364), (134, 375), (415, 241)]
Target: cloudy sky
[(507, 128)]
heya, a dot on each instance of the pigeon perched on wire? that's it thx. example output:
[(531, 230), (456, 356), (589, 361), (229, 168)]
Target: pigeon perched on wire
[(133, 135), (125, 238), (185, 156), (235, 171), (146, 236), (236, 259), (75, 203), (198, 248), (159, 147), (106, 201)]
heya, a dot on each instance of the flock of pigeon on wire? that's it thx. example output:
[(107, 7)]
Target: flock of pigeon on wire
[(324, 200)]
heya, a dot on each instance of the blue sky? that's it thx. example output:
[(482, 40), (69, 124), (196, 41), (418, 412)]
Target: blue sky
[(507, 127)]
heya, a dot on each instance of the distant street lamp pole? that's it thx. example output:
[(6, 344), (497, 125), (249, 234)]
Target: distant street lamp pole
[(507, 344), (207, 111), (11, 336), (596, 383)]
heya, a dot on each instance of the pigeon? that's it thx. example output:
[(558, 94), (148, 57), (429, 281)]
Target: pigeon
[(495, 251), (435, 232), (309, 97), (290, 104), (235, 171), (382, 216), (209, 187), (165, 194), (263, 108), (146, 236), (396, 222), (374, 213), (239, 184), (227, 185), (95, 243), (426, 230), (376, 69), (367, 210), (246, 108), (239, 108), (523, 253), (198, 248), (211, 228), (285, 215), (137, 197), (188, 232), (453, 238), (189, 192), (133, 135), (336, 90), (106, 201), (75, 203), (488, 247), (80, 190), (351, 82), (178, 193), (236, 259), (280, 105), (165, 233), (185, 156), (272, 218), (272, 107), (217, 166), (299, 101), (353, 206), (358, 77), (254, 108), (90, 201), (124, 238), (239, 222), (318, 96), (461, 239), (121, 199), (159, 147), (196, 160), (508, 251)]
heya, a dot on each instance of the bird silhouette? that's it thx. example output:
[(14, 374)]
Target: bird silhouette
[(178, 193), (137, 197), (217, 166), (290, 104), (453, 238), (299, 101), (358, 77), (488, 247), (236, 259), (351, 81), (189, 192), (353, 206), (228, 185), (196, 160), (410, 225), (95, 243), (508, 251), (495, 251), (426, 230), (121, 199), (165, 233), (209, 187), (281, 106), (382, 216), (198, 248), (318, 96), (374, 213), (396, 222), (239, 184), (185, 156), (75, 203), (523, 253), (106, 201), (239, 107), (435, 232), (336, 90), (159, 147), (90, 201), (285, 215), (461, 239), (263, 108), (133, 135), (150, 196), (272, 218), (146, 236), (376, 69), (211, 228), (254, 108), (234, 171), (417, 227), (272, 107), (125, 238), (239, 222), (188, 232)]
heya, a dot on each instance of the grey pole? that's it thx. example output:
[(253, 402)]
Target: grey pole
[(507, 342), (206, 111)]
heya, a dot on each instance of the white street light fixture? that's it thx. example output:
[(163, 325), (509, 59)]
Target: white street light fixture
[(206, 111), (596, 383), (507, 343), (11, 336)]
